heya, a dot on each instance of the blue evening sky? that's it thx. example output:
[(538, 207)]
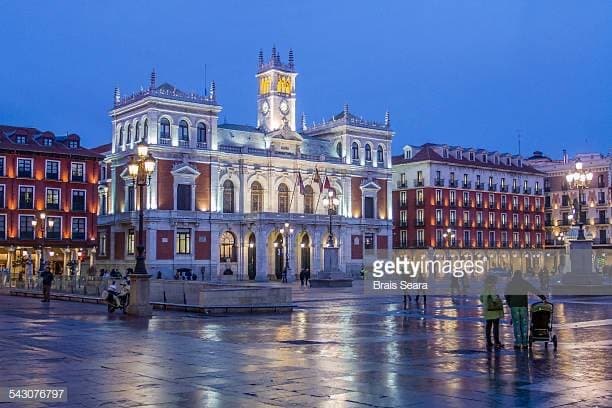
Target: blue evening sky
[(465, 72)]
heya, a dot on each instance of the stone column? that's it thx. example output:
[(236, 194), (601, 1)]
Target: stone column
[(261, 260), (316, 247), (140, 295)]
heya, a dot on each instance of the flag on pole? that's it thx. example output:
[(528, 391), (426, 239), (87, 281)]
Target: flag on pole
[(300, 183), (317, 178), (326, 183)]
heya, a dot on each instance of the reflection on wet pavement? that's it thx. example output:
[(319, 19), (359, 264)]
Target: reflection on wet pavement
[(338, 349)]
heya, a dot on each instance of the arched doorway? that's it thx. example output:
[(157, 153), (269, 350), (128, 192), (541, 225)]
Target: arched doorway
[(252, 258), (305, 253), (279, 256)]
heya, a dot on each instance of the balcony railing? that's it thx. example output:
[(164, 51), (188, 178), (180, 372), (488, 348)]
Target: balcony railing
[(465, 223), (439, 182), (164, 142), (503, 206), (492, 187), (479, 205), (503, 189), (527, 190), (504, 244), (466, 184), (419, 223), (402, 184), (601, 202), (601, 220), (403, 204), (453, 204), (420, 203), (439, 222), (466, 204), (453, 222), (479, 186), (504, 225), (538, 191), (547, 189), (201, 145), (516, 190), (452, 183), (439, 203), (515, 225), (403, 223), (419, 183)]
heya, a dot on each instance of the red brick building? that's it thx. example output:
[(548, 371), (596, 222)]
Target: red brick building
[(41, 173), (486, 199)]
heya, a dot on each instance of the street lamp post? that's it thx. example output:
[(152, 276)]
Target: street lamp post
[(331, 202), (287, 233), (41, 227), (579, 180), (140, 169)]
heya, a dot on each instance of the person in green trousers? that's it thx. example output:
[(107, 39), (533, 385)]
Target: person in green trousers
[(516, 297)]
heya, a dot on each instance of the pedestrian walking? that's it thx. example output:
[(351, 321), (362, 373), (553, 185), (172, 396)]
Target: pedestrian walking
[(493, 311), (307, 277), (516, 293), (4, 275), (47, 281), (302, 277)]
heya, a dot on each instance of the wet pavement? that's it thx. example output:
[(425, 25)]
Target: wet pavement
[(337, 349)]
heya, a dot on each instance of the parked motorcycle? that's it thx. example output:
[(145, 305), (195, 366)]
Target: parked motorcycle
[(117, 298)]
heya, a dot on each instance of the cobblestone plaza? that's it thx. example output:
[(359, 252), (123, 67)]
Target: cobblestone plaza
[(337, 349)]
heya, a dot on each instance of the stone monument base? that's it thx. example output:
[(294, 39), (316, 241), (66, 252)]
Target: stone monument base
[(331, 276), (140, 300), (581, 280)]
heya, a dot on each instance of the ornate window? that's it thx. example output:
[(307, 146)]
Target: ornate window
[(201, 133), (257, 196), (308, 200), (228, 247), (380, 153), (355, 151), (339, 149), (145, 131), (137, 132), (368, 152), (120, 142), (183, 131), (228, 197), (128, 140), (283, 198), (164, 129)]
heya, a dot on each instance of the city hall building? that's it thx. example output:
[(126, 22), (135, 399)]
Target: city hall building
[(221, 194)]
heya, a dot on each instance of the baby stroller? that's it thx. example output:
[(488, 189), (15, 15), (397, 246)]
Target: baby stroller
[(541, 324)]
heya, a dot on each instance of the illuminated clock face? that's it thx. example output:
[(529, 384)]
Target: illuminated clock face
[(284, 107), (265, 107)]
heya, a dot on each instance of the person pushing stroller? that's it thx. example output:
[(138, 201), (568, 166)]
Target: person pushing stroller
[(516, 293)]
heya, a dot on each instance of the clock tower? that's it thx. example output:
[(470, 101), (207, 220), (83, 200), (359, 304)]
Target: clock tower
[(276, 92)]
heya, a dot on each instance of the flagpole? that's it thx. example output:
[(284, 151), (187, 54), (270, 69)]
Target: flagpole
[(321, 186)]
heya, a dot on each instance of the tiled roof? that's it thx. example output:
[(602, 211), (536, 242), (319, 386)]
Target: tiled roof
[(34, 142), (427, 152)]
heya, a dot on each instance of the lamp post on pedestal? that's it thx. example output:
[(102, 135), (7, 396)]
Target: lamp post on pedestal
[(579, 180), (331, 203), (140, 169), (287, 233), (39, 224)]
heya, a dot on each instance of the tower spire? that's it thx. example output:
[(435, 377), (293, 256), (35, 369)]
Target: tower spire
[(387, 119), (346, 109), (213, 90), (261, 58), (304, 125), (117, 95), (153, 79), (273, 56), (291, 60)]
